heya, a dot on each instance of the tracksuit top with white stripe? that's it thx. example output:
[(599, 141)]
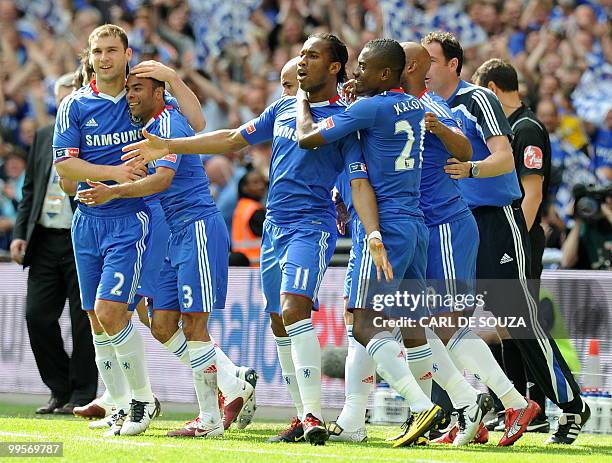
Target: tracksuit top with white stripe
[(188, 198), (480, 116), (93, 126)]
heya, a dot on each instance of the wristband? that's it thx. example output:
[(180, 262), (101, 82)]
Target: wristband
[(374, 234)]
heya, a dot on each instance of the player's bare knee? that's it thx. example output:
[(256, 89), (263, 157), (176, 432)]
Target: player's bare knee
[(277, 326), (113, 316), (162, 330), (195, 326), (413, 336), (363, 329), (295, 308)]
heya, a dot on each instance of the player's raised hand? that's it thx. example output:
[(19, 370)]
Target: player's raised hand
[(99, 193), (457, 169), (149, 149), (154, 70), (381, 261)]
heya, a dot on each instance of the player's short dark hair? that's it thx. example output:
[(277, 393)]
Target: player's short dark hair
[(391, 53), (337, 51), (499, 72), (158, 84), (109, 30), (451, 48)]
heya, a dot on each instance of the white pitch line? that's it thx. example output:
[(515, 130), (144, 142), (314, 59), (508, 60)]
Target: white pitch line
[(228, 449)]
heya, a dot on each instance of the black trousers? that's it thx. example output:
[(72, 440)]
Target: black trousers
[(52, 279), (505, 254)]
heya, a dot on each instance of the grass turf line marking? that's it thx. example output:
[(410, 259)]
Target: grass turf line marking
[(224, 449)]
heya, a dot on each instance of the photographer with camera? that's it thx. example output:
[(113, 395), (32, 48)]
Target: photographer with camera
[(588, 245)]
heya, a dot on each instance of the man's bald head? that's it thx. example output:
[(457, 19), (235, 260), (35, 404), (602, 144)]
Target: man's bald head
[(418, 60), (288, 77)]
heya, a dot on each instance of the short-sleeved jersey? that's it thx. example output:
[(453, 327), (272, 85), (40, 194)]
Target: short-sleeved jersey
[(391, 130), (531, 148), (93, 126), (480, 115), (441, 200), (188, 198), (301, 180)]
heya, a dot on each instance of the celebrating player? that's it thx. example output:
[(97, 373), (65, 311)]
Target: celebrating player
[(193, 279), (391, 126), (91, 127), (299, 232)]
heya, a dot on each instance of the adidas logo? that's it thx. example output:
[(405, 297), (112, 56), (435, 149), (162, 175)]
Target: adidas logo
[(368, 380), (505, 259), (427, 375), (211, 369), (401, 354), (91, 123)]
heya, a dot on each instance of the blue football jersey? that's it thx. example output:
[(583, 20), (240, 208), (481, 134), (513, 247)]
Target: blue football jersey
[(391, 130), (480, 116), (301, 180), (94, 127), (343, 185), (188, 198), (441, 200)]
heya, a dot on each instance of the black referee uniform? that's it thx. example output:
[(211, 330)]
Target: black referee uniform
[(532, 156), (504, 250)]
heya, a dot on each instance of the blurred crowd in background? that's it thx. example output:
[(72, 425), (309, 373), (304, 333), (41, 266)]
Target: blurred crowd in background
[(231, 52)]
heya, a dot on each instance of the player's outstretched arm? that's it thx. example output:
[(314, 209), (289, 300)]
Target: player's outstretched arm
[(308, 132), (364, 201), (80, 170), (153, 147), (187, 100), (100, 193), (456, 143)]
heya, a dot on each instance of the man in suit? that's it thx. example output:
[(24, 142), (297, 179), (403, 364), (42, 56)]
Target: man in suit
[(42, 242)]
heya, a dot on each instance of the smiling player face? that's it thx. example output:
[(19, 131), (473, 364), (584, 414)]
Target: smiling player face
[(367, 74), (109, 58), (142, 98)]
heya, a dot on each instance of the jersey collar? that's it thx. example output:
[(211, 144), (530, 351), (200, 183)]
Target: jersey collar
[(156, 116), (399, 90), (325, 103), (460, 85), (97, 92), (422, 94)]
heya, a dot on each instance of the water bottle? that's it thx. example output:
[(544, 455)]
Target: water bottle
[(591, 371), (389, 407), (552, 413), (597, 412), (606, 413), (588, 398)]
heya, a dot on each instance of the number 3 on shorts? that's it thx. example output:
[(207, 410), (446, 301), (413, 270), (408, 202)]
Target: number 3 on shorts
[(187, 297), (116, 291)]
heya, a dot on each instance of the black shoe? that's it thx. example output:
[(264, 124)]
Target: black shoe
[(540, 424), (53, 403), (570, 425), (67, 409), (496, 422), (294, 433)]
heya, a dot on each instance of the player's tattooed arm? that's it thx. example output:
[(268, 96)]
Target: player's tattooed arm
[(100, 193), (187, 100), (456, 143), (153, 147), (308, 131), (80, 170), (365, 204)]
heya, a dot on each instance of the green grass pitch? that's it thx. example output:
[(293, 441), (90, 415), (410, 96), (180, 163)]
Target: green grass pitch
[(18, 424)]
